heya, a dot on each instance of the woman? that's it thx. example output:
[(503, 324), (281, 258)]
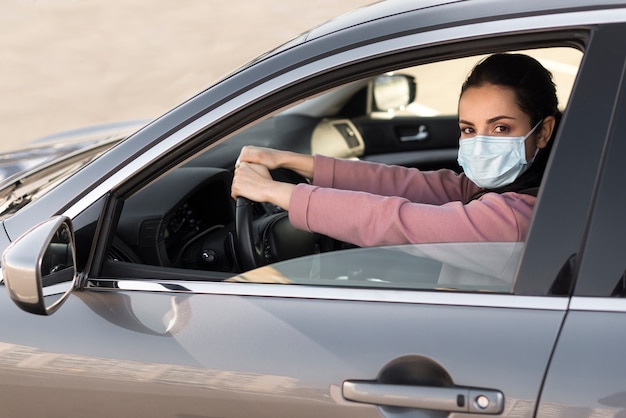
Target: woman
[(508, 111)]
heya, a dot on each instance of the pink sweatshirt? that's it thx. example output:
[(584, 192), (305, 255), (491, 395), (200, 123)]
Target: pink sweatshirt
[(370, 204)]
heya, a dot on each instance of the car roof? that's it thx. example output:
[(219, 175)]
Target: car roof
[(390, 17), (443, 13)]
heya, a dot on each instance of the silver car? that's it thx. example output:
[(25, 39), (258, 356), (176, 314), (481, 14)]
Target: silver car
[(133, 285)]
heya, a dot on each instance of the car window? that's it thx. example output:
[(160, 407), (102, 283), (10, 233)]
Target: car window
[(449, 266)]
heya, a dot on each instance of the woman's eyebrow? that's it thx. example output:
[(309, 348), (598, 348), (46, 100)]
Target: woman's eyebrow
[(490, 120), (500, 117)]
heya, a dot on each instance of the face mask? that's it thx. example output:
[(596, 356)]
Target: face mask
[(494, 161)]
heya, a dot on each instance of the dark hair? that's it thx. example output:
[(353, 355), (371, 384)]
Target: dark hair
[(535, 93)]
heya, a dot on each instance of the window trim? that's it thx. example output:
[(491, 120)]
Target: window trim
[(438, 297)]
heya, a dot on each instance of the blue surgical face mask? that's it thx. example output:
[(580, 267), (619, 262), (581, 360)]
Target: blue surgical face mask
[(494, 161)]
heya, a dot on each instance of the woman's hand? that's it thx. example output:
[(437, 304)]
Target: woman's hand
[(255, 182), (273, 159), (268, 157)]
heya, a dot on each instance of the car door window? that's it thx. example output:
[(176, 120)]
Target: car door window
[(449, 266)]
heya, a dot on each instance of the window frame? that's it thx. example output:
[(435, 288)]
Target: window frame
[(526, 282)]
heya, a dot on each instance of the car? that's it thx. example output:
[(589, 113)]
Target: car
[(134, 285)]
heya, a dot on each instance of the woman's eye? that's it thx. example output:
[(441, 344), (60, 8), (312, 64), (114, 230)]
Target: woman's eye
[(501, 129), (467, 130)]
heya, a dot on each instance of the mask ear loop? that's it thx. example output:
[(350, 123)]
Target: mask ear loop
[(529, 162), (533, 129)]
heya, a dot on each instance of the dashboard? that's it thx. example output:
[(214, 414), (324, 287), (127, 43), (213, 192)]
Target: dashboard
[(185, 219)]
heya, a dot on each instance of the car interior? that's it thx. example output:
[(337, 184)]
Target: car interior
[(188, 220)]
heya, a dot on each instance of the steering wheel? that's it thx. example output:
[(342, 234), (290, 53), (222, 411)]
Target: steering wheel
[(250, 256), (277, 239)]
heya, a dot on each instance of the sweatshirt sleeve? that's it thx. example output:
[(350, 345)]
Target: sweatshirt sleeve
[(434, 187), (366, 219)]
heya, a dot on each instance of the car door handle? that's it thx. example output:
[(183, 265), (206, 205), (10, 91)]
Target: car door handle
[(452, 399), (420, 135)]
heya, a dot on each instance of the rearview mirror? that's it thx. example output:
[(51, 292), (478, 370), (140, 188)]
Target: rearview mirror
[(39, 268), (393, 92)]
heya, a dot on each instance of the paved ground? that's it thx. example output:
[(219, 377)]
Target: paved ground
[(66, 64)]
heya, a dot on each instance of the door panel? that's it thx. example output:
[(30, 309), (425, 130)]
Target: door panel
[(422, 142), (172, 354)]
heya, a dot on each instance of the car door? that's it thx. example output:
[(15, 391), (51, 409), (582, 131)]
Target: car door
[(193, 348)]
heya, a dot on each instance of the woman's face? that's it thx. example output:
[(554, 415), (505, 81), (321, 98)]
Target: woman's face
[(492, 110)]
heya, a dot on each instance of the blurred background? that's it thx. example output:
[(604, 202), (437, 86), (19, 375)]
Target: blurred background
[(67, 64)]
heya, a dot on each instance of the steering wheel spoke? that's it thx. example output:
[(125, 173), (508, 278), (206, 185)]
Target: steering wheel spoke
[(250, 255)]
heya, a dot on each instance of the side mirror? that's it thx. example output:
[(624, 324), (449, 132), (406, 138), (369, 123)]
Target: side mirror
[(39, 268), (393, 92)]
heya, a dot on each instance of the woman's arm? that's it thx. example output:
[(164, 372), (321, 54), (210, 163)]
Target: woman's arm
[(434, 187), (368, 220)]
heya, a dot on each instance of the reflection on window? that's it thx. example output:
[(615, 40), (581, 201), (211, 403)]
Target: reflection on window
[(485, 267)]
